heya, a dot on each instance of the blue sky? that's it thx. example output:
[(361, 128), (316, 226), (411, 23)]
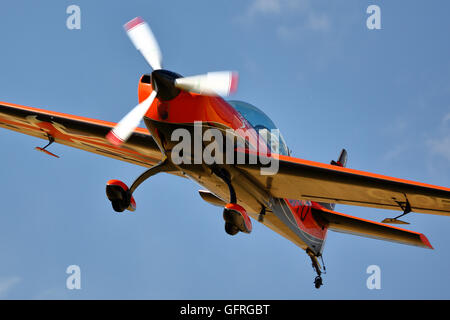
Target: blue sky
[(313, 66)]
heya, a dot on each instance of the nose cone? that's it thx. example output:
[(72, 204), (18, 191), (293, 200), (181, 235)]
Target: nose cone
[(164, 83)]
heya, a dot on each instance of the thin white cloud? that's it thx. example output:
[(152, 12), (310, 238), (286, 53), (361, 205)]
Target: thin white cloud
[(440, 145), (276, 7), (264, 7), (6, 284), (446, 118), (311, 22), (288, 29), (318, 22), (395, 153), (287, 33), (396, 127)]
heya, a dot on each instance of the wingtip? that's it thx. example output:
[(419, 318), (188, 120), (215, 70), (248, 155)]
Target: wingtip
[(133, 23), (425, 241)]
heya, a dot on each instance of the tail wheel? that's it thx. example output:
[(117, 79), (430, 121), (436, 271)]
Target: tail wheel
[(318, 282)]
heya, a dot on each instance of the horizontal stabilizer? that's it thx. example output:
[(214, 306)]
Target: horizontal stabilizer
[(370, 229)]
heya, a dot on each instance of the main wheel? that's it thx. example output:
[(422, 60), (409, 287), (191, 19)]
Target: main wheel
[(231, 229), (118, 206), (237, 216), (117, 193)]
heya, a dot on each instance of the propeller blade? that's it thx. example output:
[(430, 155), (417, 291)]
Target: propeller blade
[(122, 131), (213, 83), (143, 39)]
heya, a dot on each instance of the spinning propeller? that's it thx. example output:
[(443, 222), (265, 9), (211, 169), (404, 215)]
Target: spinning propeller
[(213, 83)]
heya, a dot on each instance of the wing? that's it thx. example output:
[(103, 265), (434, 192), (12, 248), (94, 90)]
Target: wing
[(79, 132), (303, 179)]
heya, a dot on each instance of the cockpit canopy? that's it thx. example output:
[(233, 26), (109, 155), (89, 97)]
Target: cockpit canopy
[(263, 125)]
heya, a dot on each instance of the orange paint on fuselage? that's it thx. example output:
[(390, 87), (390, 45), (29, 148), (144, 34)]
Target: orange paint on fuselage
[(190, 107), (301, 210)]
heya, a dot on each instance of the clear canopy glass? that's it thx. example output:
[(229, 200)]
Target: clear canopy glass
[(262, 124)]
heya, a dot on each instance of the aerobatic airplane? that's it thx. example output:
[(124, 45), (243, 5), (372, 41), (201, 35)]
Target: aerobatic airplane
[(297, 200)]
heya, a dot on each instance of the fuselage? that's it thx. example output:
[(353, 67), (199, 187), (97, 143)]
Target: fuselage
[(195, 114)]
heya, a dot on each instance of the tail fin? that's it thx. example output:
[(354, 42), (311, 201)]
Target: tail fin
[(341, 162)]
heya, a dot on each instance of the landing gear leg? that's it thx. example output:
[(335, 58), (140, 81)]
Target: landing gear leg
[(316, 266), (235, 216), (121, 196), (163, 166)]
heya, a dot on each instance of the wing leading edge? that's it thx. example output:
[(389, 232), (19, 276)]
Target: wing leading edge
[(79, 132)]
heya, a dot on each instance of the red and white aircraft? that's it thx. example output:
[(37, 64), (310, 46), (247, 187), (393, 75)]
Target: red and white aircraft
[(297, 202)]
